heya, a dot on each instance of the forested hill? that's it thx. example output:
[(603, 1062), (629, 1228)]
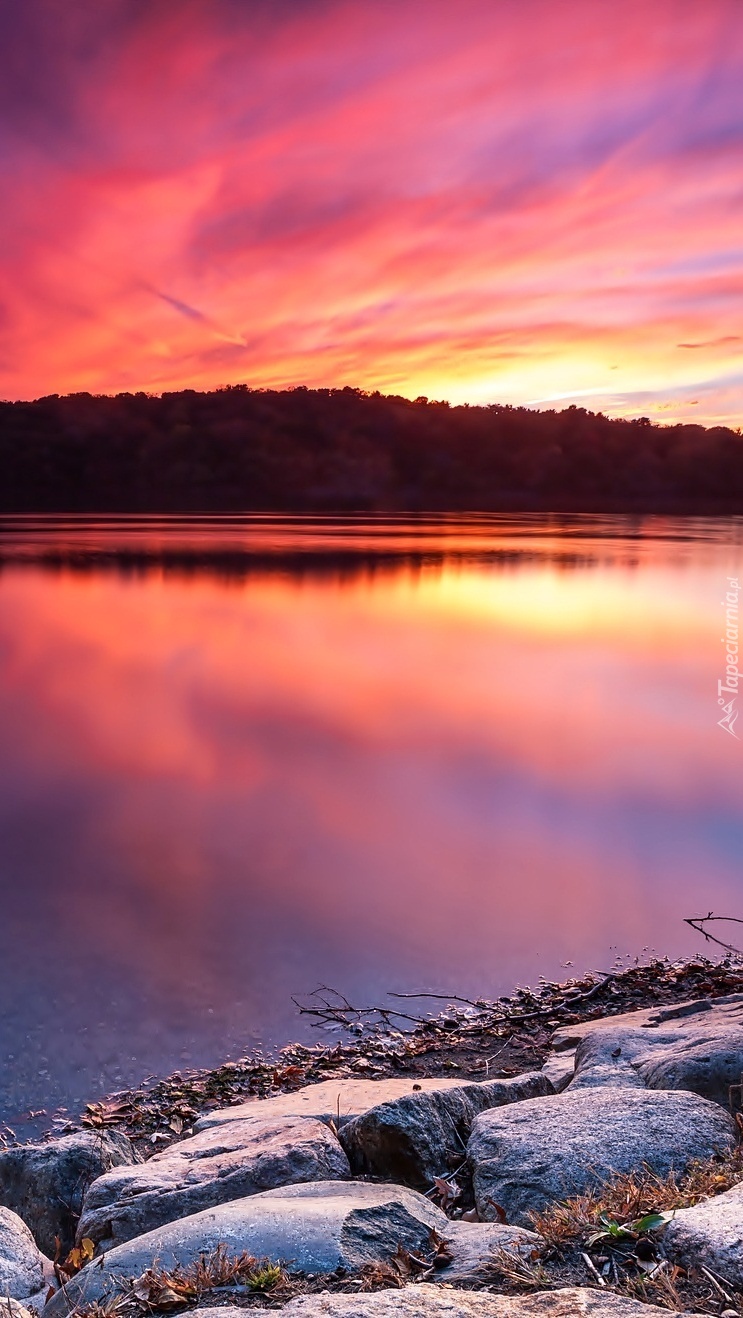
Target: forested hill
[(342, 449)]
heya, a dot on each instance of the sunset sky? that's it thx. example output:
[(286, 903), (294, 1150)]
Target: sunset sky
[(490, 200)]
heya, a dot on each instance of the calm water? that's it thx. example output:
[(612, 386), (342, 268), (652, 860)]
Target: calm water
[(243, 757)]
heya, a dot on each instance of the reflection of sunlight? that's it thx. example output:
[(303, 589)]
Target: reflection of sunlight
[(544, 600), (183, 677)]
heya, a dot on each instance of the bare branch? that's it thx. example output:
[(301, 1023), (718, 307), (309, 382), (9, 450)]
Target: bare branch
[(330, 1007), (442, 997), (698, 921)]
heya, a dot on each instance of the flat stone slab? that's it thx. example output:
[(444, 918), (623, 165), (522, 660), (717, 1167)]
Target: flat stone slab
[(330, 1100), (21, 1263), (696, 1046), (430, 1301), (313, 1228), (45, 1183), (420, 1136), (528, 1155), (710, 1234), (227, 1162)]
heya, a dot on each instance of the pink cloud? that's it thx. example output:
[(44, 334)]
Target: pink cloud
[(489, 201)]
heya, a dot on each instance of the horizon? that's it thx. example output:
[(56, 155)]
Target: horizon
[(493, 204), (421, 400)]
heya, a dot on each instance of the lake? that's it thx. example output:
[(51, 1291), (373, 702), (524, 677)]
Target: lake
[(242, 757)]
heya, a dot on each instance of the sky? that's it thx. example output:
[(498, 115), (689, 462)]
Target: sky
[(487, 201)]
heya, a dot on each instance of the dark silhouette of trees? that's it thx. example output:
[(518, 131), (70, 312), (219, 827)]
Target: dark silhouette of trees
[(337, 450)]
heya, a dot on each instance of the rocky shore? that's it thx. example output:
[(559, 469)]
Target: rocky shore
[(571, 1150)]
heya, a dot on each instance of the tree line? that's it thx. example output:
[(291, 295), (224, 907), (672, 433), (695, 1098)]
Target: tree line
[(345, 450)]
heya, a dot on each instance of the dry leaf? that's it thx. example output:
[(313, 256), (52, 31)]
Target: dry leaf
[(447, 1192), (500, 1212)]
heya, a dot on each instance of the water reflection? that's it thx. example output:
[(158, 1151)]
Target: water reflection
[(242, 757)]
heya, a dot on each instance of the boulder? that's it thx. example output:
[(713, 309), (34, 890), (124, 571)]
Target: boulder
[(473, 1245), (312, 1228), (526, 1156), (21, 1263), (428, 1301), (710, 1234), (331, 1100), (423, 1135), (45, 1183), (696, 1046), (228, 1162)]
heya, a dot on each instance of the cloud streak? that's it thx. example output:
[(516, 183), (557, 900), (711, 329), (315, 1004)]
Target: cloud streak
[(497, 201)]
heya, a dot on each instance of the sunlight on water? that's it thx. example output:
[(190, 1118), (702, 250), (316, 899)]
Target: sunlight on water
[(243, 756)]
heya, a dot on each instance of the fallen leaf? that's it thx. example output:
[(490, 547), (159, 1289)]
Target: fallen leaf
[(499, 1211), (446, 1191)]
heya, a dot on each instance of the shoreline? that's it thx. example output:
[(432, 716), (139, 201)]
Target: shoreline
[(467, 1040), (594, 1154)]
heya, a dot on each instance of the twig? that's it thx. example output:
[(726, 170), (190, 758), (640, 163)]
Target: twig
[(492, 1058), (601, 1280), (712, 1279), (331, 1007), (342, 1012), (591, 992), (442, 997), (697, 921)]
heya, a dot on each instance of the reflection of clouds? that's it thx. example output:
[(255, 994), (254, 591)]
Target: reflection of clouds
[(496, 202), (529, 673), (456, 778), (208, 685)]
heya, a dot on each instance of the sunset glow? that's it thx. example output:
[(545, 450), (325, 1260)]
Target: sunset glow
[(485, 201)]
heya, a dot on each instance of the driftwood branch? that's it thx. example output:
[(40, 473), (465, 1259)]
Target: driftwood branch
[(330, 1007), (698, 922), (442, 997)]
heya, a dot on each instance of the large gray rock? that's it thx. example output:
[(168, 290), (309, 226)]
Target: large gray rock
[(428, 1301), (45, 1183), (528, 1155), (310, 1228), (694, 1045), (336, 1100), (423, 1135), (229, 1162), (710, 1234), (21, 1264)]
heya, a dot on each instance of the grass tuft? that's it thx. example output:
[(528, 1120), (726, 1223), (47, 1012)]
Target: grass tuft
[(159, 1288), (631, 1196)]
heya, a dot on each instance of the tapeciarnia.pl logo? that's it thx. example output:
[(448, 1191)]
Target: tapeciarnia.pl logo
[(729, 687)]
